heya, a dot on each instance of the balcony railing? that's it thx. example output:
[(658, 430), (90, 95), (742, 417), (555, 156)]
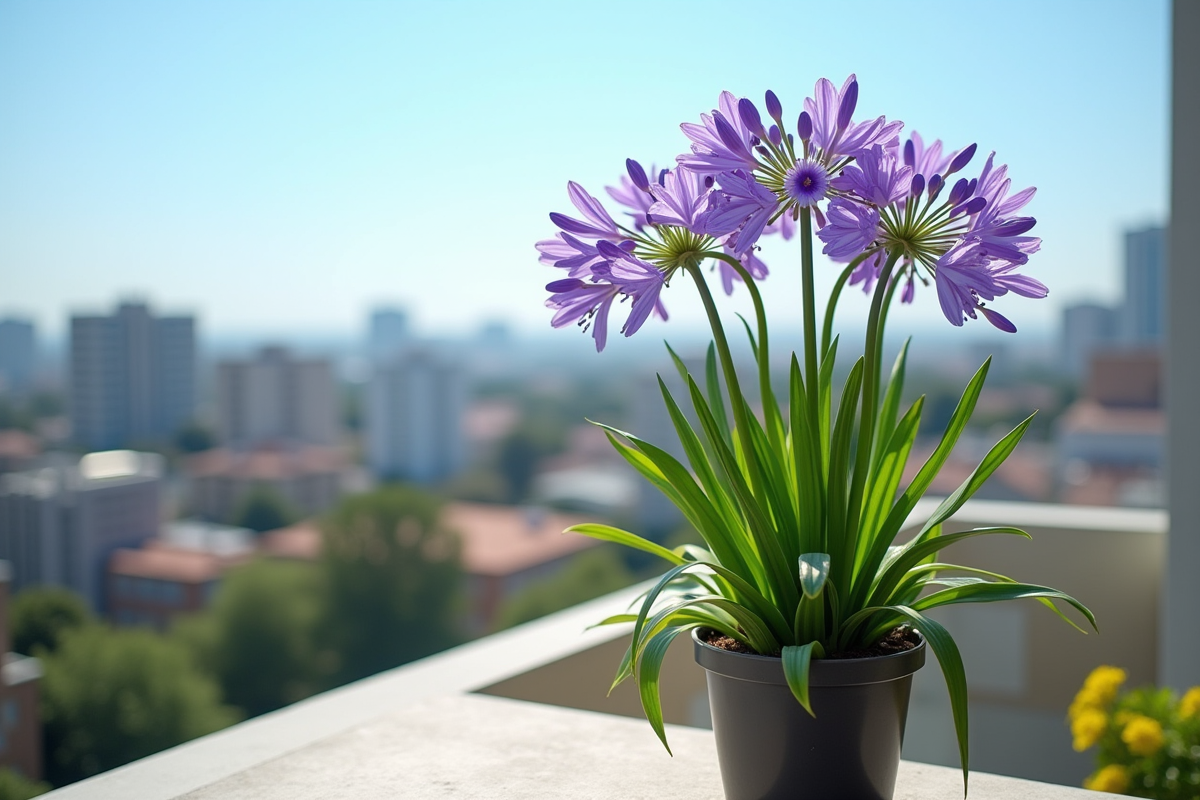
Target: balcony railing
[(512, 715)]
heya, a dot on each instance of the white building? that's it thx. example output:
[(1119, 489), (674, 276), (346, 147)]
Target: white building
[(277, 398), (1087, 329), (416, 401), (132, 377), (389, 333), (60, 524)]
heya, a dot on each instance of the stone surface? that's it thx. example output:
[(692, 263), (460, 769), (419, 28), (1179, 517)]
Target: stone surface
[(473, 746)]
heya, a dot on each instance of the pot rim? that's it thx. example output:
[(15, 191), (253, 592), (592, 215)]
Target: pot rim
[(823, 672)]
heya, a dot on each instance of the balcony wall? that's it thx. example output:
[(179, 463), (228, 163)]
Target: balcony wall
[(423, 730)]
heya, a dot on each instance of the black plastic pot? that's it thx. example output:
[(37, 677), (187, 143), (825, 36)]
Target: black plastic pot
[(770, 748)]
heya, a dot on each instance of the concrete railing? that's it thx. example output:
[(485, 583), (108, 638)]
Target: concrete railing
[(1023, 663)]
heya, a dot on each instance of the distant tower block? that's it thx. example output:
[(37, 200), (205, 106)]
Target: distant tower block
[(132, 377), (414, 425)]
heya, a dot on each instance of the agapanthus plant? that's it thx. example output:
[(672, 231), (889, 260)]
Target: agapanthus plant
[(799, 510)]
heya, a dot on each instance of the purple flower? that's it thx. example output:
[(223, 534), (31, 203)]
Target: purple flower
[(567, 252), (598, 224), (583, 304), (928, 161), (1001, 235), (679, 199), (785, 226), (850, 229), (867, 272), (753, 264), (876, 177), (832, 130), (636, 201), (742, 208), (806, 182), (722, 142), (587, 303), (638, 279), (966, 274)]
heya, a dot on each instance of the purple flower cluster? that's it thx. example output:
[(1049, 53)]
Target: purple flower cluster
[(748, 176)]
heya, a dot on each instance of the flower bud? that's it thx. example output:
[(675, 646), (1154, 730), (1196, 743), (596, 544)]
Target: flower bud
[(637, 174), (846, 109), (729, 136), (775, 137), (564, 285), (972, 206), (918, 185), (750, 117), (962, 159), (804, 126), (774, 109), (935, 186), (910, 154), (960, 192)]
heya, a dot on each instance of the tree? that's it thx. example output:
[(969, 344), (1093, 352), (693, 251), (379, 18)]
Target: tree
[(263, 509), (393, 578), (522, 450), (41, 615), (14, 786), (110, 696), (588, 576), (194, 438), (263, 646)]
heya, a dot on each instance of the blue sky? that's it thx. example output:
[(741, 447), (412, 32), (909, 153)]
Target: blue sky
[(281, 166)]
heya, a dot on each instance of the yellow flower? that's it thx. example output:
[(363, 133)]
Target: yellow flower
[(1189, 706), (1099, 689), (1087, 727), (1144, 736), (1113, 778), (1104, 682)]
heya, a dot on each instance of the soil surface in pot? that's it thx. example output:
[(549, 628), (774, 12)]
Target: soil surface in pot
[(900, 639)]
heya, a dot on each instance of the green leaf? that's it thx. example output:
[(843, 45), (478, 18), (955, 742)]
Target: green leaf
[(889, 471), (825, 400), (916, 490), (715, 399), (796, 663), (949, 659), (806, 466), (977, 591), (814, 571), (839, 472), (990, 463), (670, 477), (610, 534), (648, 668), (615, 619), (912, 553), (891, 401), (766, 547)]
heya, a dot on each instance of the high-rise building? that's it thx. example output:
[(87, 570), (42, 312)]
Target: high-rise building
[(414, 422), (132, 377), (16, 355), (1088, 328), (1144, 308), (60, 524), (277, 398), (389, 333)]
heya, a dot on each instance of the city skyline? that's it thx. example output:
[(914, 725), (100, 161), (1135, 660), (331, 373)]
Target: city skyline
[(273, 168)]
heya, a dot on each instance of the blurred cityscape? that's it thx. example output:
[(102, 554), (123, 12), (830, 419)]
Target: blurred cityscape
[(263, 520)]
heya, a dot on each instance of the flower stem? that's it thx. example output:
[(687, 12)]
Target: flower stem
[(760, 314), (827, 329), (731, 380), (810, 318), (870, 397)]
